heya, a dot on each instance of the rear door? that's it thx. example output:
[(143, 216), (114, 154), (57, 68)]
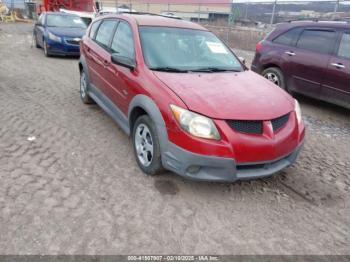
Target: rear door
[(120, 79), (308, 60), (336, 87), (100, 54), (88, 44), (39, 29)]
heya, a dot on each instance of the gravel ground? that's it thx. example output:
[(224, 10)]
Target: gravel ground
[(70, 184)]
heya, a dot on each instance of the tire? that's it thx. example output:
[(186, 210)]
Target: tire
[(275, 75), (83, 90), (146, 146), (36, 41), (46, 52)]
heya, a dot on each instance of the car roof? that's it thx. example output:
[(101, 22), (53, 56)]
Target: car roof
[(156, 20), (60, 13), (328, 24)]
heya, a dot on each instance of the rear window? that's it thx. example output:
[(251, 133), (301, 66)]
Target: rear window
[(344, 47), (319, 41), (289, 37)]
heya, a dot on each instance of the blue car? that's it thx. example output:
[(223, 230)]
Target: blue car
[(59, 33)]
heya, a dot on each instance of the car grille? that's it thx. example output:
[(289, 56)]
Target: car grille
[(256, 126), (279, 122), (243, 126), (74, 41)]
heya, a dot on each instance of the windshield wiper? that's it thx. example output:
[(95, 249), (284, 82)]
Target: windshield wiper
[(169, 69), (214, 70)]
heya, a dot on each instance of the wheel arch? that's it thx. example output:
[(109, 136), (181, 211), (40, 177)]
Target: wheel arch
[(264, 67), (142, 104), (83, 66)]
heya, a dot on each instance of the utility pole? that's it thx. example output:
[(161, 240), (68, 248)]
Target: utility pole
[(246, 10), (273, 12), (199, 13)]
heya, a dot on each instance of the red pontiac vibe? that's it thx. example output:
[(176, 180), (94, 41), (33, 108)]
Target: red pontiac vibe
[(188, 103)]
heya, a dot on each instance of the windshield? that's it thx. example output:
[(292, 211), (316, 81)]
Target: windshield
[(65, 21), (178, 49)]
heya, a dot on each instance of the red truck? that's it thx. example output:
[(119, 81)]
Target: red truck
[(86, 9)]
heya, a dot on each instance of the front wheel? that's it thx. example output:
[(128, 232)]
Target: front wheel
[(46, 52), (274, 75), (36, 41), (146, 146)]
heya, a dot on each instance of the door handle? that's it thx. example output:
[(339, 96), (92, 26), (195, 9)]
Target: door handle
[(106, 63), (290, 53), (338, 65)]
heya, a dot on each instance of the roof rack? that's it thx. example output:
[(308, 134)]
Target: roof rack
[(146, 13)]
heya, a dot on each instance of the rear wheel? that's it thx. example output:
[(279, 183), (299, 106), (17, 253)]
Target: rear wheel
[(84, 89), (274, 75), (146, 146)]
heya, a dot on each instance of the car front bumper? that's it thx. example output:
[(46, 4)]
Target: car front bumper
[(64, 49), (219, 169)]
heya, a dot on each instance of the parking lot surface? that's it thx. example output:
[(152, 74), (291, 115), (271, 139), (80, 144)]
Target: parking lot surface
[(69, 183)]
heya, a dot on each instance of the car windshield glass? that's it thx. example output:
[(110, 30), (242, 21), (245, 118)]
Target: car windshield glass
[(65, 21), (183, 50)]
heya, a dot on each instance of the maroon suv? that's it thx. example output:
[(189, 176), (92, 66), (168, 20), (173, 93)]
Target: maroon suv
[(311, 58)]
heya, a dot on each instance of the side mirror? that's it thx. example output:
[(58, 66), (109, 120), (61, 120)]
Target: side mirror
[(123, 61), (38, 24), (242, 59)]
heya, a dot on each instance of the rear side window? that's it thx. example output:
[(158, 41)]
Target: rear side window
[(93, 29), (288, 38), (105, 32), (344, 47), (320, 41), (123, 42)]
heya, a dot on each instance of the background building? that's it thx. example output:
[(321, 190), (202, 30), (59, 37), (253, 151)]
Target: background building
[(191, 10)]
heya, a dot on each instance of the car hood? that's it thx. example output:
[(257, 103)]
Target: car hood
[(241, 96), (67, 32)]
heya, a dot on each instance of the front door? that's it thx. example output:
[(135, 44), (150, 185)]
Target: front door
[(336, 87), (309, 59)]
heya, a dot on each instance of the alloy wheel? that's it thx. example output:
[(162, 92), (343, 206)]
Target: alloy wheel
[(273, 78), (83, 85), (144, 145)]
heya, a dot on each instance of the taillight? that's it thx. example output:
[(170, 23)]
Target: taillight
[(259, 46)]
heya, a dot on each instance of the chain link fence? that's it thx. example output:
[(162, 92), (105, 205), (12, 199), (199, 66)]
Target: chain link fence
[(241, 24)]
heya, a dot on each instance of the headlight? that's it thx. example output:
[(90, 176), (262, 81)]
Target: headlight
[(297, 111), (195, 124), (54, 37)]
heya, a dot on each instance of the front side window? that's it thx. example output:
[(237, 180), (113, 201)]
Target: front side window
[(344, 47), (320, 41), (185, 49), (123, 42), (105, 32), (288, 38), (65, 21)]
